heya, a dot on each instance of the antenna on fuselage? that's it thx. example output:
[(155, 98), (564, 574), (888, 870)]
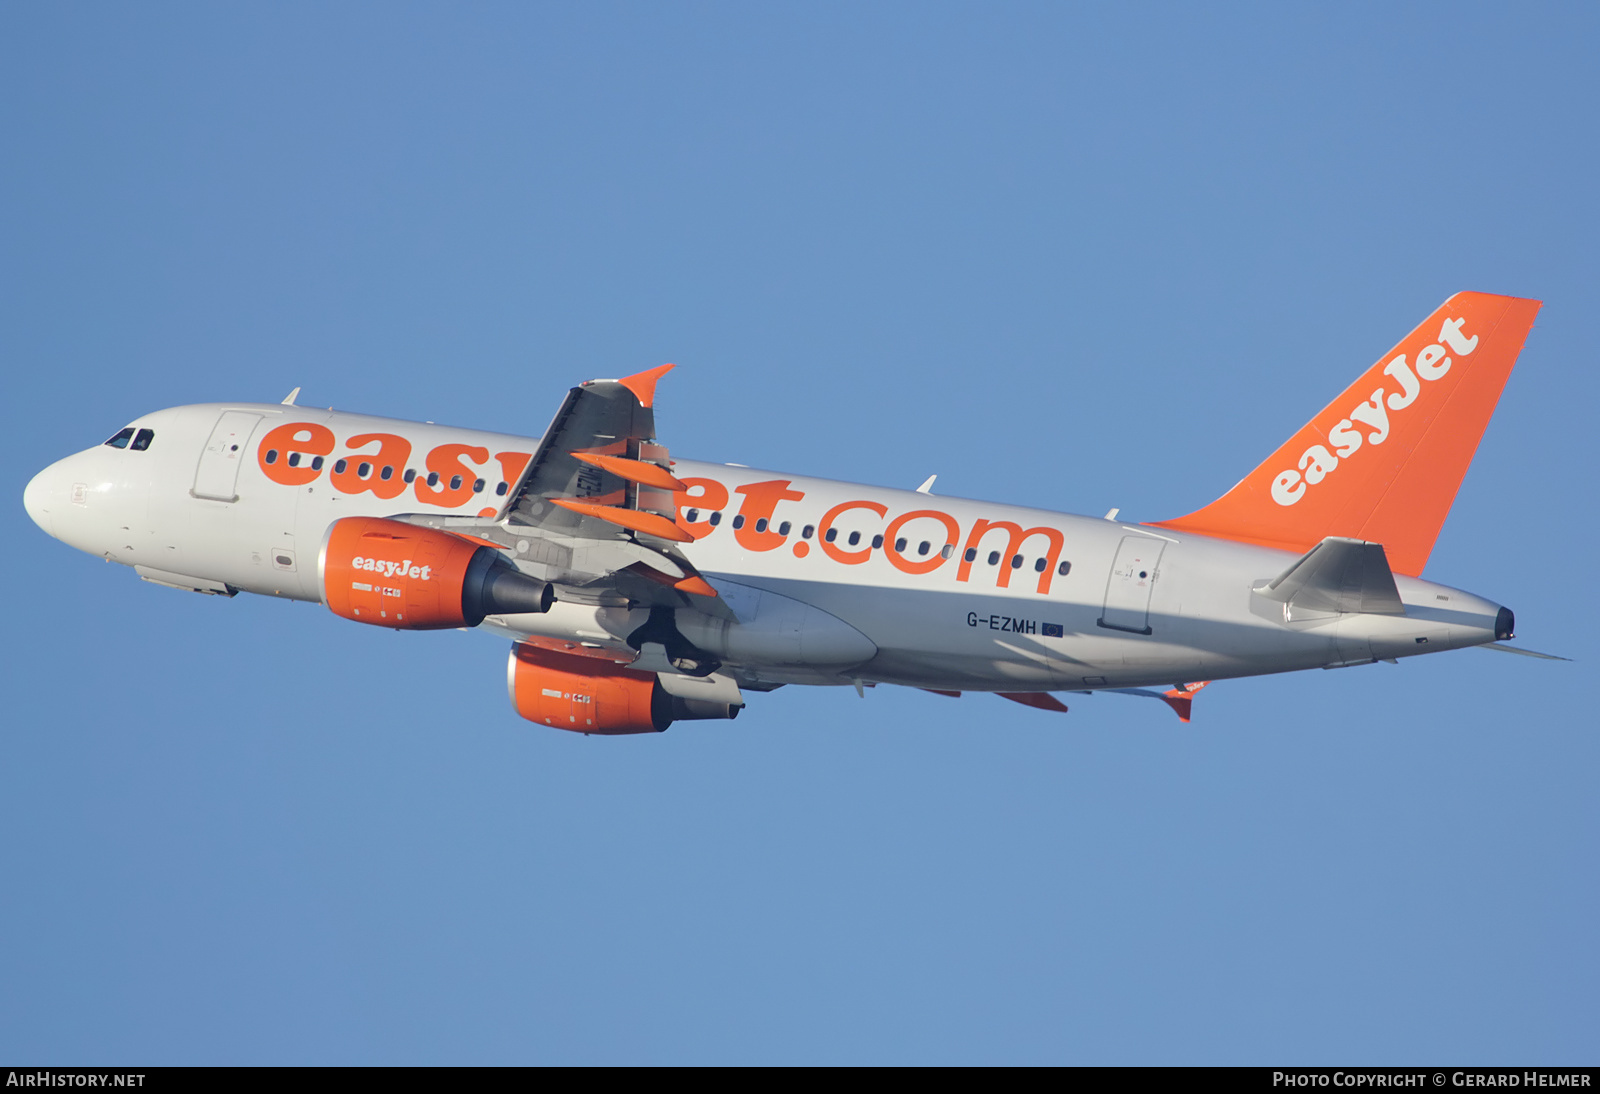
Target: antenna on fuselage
[(291, 397)]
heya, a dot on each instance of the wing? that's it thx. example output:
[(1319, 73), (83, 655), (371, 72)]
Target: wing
[(593, 512)]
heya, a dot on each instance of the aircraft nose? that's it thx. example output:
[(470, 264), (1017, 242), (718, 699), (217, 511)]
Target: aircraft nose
[(40, 496)]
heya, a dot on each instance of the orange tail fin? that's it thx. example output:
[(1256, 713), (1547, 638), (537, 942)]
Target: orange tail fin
[(1383, 461)]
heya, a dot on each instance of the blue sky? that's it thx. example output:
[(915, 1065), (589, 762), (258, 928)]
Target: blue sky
[(1068, 256)]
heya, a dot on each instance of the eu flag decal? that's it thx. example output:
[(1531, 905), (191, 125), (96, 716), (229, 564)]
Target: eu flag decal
[(1051, 630)]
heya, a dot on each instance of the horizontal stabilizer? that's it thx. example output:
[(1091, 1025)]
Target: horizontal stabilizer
[(1337, 575), (1501, 647)]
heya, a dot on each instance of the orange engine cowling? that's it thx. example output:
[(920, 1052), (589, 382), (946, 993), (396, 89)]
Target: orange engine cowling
[(594, 695), (585, 694), (392, 574)]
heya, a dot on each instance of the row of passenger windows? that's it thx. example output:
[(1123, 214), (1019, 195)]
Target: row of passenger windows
[(364, 471), (1039, 564), (140, 440), (693, 515), (854, 539), (127, 438)]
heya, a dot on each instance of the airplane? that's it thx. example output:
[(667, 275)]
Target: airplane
[(638, 590)]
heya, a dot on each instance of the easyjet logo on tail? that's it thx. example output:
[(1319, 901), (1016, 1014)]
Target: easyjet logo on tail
[(1318, 462)]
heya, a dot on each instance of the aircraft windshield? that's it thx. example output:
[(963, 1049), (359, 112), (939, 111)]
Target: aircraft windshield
[(140, 440)]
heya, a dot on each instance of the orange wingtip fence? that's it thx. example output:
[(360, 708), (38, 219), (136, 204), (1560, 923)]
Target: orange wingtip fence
[(643, 384)]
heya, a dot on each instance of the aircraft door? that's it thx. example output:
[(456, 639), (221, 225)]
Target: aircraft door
[(1132, 579), (217, 476)]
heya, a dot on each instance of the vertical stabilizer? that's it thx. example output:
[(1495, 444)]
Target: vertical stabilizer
[(1383, 461)]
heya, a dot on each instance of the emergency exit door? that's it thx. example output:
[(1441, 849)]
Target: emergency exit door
[(1130, 583)]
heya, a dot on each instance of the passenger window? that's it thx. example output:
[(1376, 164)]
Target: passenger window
[(900, 544), (1064, 569), (807, 531), (994, 558), (761, 524), (716, 518), (364, 470), (738, 521), (316, 463), (500, 490), (855, 538), (142, 439), (433, 478), (294, 459), (477, 486), (386, 474), (272, 453), (692, 516), (922, 548), (455, 482), (339, 466), (409, 476), (833, 534), (783, 529), (1040, 564), (1016, 562), (972, 553), (123, 437), (948, 550)]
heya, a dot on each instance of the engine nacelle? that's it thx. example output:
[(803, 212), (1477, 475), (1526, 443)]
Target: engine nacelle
[(392, 574), (591, 695)]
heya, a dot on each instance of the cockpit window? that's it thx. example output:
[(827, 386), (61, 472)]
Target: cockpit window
[(121, 439), (142, 439)]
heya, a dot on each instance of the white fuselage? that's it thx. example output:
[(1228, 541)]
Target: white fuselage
[(949, 598)]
